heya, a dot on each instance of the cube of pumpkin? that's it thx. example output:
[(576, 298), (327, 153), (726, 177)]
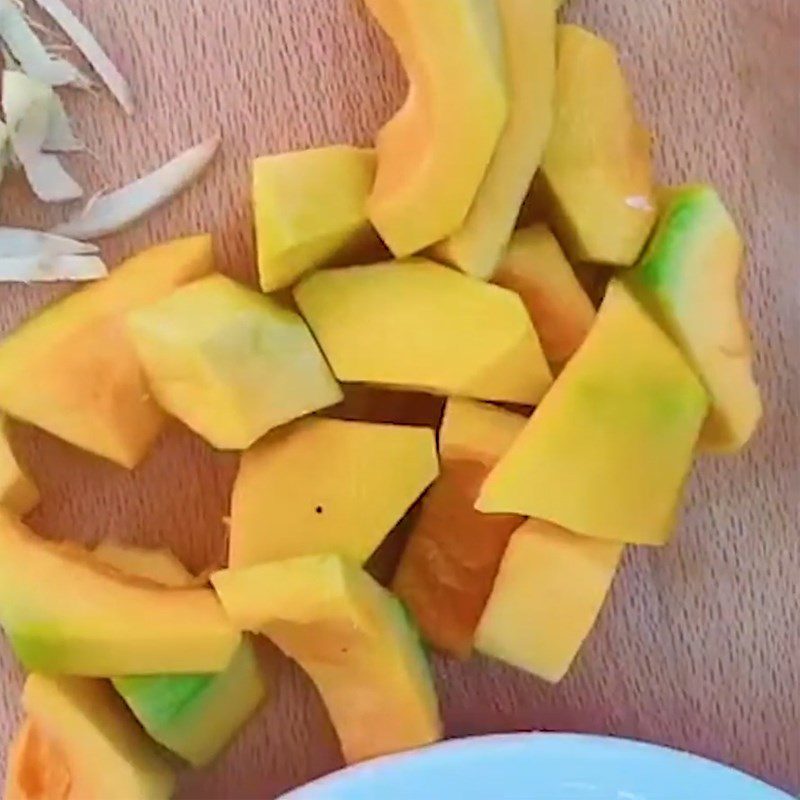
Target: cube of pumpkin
[(308, 206), (230, 363)]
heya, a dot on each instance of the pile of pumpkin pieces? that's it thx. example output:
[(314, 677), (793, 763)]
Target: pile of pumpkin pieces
[(468, 323)]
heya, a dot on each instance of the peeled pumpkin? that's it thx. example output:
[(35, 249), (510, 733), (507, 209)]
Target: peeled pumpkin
[(72, 370), (37, 767), (529, 32), (327, 486), (472, 430), (549, 591), (79, 742), (352, 638), (229, 362), (197, 714), (308, 206), (688, 279), (18, 493), (428, 171), (597, 169), (94, 621), (418, 325), (609, 449), (453, 554), (536, 268)]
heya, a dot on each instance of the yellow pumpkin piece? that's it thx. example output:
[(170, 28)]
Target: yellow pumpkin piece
[(82, 743), (477, 430), (608, 451), (230, 363), (547, 596), (97, 622), (429, 171), (352, 638), (529, 33), (327, 486), (309, 205), (18, 493), (72, 370), (597, 164), (689, 280), (156, 564), (537, 270), (418, 325)]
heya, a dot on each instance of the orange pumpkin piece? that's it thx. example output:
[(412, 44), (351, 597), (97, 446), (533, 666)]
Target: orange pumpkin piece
[(536, 268), (451, 561), (37, 767), (71, 369), (452, 558), (80, 742)]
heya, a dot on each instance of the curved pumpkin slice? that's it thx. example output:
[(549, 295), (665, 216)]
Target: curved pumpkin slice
[(529, 30), (71, 369), (428, 169), (95, 621), (79, 742), (688, 279)]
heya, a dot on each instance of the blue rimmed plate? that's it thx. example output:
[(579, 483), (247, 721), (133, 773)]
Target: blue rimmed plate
[(539, 766)]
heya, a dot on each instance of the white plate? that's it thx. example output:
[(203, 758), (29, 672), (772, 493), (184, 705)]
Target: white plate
[(539, 767)]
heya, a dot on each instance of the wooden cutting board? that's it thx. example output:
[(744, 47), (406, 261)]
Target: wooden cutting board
[(699, 646)]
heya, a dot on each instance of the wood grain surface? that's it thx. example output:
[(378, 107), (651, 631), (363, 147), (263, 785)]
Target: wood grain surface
[(699, 646)]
